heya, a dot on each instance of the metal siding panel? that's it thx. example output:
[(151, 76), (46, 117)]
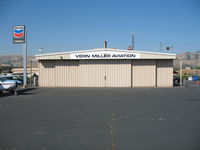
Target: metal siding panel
[(43, 74), (87, 73), (118, 73), (67, 73), (60, 76), (45, 71), (40, 68), (164, 73), (42, 78), (91, 72), (156, 56), (40, 73), (47, 74), (143, 73), (52, 82)]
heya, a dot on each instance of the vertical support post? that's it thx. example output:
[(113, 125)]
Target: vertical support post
[(25, 60), (105, 44), (31, 75), (181, 73), (132, 41), (161, 45)]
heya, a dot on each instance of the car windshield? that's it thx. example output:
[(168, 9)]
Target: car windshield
[(2, 79)]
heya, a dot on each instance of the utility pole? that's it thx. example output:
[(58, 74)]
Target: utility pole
[(133, 41), (161, 45), (31, 73), (181, 72)]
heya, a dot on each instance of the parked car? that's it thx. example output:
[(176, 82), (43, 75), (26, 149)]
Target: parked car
[(176, 81)]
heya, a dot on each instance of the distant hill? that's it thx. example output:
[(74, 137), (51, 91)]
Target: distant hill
[(190, 59), (16, 60)]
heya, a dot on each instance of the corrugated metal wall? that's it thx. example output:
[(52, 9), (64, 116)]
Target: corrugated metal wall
[(47, 73), (156, 56), (144, 55), (67, 73), (143, 73), (118, 73), (105, 73), (164, 73), (92, 73), (60, 73)]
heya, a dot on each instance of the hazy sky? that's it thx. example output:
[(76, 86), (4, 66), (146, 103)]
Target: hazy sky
[(63, 25)]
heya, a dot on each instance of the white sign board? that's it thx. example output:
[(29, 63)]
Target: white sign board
[(105, 55)]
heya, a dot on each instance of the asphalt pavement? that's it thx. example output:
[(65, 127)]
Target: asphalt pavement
[(101, 119)]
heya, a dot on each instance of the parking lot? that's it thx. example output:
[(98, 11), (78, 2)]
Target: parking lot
[(101, 119)]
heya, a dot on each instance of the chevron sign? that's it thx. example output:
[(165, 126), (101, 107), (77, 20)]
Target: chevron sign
[(19, 34)]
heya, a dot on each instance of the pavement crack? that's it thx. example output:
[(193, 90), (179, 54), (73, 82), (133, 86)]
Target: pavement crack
[(112, 130)]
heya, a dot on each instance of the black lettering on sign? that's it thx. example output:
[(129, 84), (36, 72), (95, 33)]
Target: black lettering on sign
[(118, 55), (107, 55), (82, 56), (94, 55), (101, 55), (130, 55)]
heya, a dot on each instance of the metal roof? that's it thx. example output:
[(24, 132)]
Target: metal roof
[(145, 54)]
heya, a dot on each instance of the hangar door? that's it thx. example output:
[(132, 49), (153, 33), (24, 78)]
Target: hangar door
[(66, 73), (62, 73), (164, 73), (143, 73), (105, 73)]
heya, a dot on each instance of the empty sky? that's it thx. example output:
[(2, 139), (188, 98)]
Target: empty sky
[(63, 25)]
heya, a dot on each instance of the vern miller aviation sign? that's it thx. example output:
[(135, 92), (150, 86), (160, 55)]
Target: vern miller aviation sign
[(105, 55)]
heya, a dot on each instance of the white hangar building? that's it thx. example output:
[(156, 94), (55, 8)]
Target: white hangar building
[(106, 67)]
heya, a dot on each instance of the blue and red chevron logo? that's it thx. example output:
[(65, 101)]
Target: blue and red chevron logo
[(18, 33)]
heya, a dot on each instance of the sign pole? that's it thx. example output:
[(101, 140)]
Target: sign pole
[(181, 73), (20, 37), (25, 60)]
